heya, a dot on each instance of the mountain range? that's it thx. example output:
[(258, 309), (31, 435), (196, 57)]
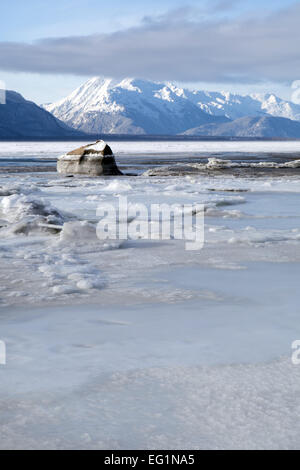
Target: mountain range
[(133, 106), (248, 126), (141, 107), (130, 107)]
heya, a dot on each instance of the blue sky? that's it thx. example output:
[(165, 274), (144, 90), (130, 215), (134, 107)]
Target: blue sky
[(31, 19), (30, 31)]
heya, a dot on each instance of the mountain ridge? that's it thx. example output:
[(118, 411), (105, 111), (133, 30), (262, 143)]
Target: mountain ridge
[(137, 107), (130, 106), (22, 118), (250, 126)]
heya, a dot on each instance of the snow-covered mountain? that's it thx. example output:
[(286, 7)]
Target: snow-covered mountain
[(133, 106), (235, 106), (20, 118), (130, 107)]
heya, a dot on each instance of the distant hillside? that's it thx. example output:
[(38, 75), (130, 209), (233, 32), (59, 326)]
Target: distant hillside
[(249, 126), (21, 118)]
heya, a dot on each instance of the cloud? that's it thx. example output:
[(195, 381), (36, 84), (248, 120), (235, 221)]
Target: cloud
[(178, 46), (223, 5)]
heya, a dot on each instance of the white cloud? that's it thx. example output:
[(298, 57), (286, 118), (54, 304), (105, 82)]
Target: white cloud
[(177, 46)]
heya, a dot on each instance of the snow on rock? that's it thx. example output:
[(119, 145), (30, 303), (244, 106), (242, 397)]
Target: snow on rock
[(93, 159)]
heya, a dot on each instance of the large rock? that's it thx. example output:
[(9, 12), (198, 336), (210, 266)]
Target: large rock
[(94, 160)]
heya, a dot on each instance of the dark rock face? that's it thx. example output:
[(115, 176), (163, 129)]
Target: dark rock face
[(20, 118), (93, 160)]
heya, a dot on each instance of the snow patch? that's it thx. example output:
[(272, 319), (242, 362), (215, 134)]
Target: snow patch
[(26, 214)]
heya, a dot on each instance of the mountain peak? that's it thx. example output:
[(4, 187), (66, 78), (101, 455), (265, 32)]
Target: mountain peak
[(138, 106)]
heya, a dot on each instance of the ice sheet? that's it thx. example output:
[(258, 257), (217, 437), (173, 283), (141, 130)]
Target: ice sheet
[(183, 349)]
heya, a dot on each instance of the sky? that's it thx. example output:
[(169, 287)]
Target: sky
[(47, 49)]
